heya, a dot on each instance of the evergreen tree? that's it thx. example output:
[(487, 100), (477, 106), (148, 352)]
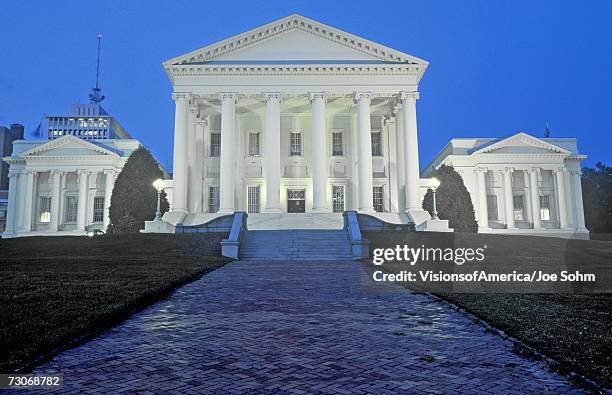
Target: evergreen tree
[(453, 201), (597, 198), (134, 199)]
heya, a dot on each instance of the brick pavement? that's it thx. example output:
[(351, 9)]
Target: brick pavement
[(296, 328)]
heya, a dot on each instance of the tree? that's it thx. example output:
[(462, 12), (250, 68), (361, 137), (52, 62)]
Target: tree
[(597, 198), (134, 199), (453, 201)]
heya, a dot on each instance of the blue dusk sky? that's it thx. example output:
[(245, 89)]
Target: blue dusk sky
[(496, 67)]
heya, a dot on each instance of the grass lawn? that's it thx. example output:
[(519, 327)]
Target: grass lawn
[(55, 291), (573, 329)]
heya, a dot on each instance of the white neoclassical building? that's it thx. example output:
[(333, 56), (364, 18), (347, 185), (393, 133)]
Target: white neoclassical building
[(296, 116), (520, 184)]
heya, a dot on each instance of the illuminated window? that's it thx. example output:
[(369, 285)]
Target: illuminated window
[(337, 144), (215, 144), (338, 198), (213, 199), (45, 209), (254, 144), (253, 199), (376, 143), (545, 207), (378, 199), (295, 144)]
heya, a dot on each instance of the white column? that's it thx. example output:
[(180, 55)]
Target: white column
[(560, 176), (198, 174), (364, 151), (108, 193), (319, 153), (179, 169), (9, 227), (399, 159), (411, 149), (508, 197), (271, 159), (191, 156), (482, 198), (28, 198), (535, 198), (228, 124), (580, 225), (55, 200), (82, 200)]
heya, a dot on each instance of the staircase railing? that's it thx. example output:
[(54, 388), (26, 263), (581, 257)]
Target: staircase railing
[(360, 247), (230, 247)]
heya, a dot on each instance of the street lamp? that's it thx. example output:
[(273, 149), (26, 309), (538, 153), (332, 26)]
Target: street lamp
[(433, 184), (159, 185)]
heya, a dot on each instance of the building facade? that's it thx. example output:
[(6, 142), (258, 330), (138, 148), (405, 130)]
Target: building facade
[(62, 184), (520, 184), (295, 117)]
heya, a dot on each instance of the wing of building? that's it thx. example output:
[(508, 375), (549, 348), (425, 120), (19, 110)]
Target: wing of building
[(520, 184), (295, 117)]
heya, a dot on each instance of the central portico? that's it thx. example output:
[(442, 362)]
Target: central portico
[(295, 117)]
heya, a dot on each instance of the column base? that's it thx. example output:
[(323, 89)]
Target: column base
[(226, 211), (272, 211), (320, 210)]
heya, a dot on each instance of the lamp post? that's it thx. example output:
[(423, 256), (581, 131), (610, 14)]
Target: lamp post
[(159, 185), (433, 184)]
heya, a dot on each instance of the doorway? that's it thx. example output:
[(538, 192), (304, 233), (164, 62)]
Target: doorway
[(296, 201)]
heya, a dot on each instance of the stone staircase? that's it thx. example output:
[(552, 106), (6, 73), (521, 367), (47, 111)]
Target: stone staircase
[(296, 244)]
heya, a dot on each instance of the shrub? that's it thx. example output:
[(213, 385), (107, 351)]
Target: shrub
[(134, 200), (453, 201), (597, 198)]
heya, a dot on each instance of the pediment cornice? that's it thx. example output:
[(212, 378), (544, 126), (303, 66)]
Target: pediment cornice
[(521, 139), (63, 141), (291, 23)]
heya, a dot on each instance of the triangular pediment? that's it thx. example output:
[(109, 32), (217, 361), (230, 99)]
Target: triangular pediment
[(68, 146), (521, 143), (294, 39)]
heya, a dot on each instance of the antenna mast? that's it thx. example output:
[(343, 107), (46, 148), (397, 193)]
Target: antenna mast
[(96, 93)]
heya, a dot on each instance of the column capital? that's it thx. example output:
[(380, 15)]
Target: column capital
[(14, 174), (180, 96), (194, 109), (558, 170), (30, 171), (312, 96), (408, 95), (576, 172), (109, 172), (81, 172), (270, 96), (223, 96), (55, 172), (508, 170), (201, 121), (357, 96), (480, 170), (534, 170)]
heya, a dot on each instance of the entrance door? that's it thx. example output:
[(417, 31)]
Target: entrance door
[(296, 201)]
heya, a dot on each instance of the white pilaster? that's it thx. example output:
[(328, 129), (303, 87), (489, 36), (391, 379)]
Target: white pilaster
[(535, 198), (319, 153), (482, 198), (226, 174), (179, 169), (55, 200), (411, 149), (82, 202), (9, 227), (580, 225), (108, 192), (28, 198), (364, 148), (560, 177), (508, 197), (399, 159), (198, 174), (271, 159)]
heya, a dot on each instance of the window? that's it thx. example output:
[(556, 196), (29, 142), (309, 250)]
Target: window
[(295, 144), (253, 199), (378, 199), (45, 209), (492, 207), (545, 207), (254, 144), (376, 143), (71, 208), (518, 208), (338, 198), (215, 144), (337, 144), (98, 209), (213, 199)]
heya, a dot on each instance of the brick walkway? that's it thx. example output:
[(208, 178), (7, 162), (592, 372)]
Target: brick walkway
[(298, 328)]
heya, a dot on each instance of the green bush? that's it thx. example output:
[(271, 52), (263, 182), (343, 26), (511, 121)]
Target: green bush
[(597, 197), (134, 200), (453, 201)]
